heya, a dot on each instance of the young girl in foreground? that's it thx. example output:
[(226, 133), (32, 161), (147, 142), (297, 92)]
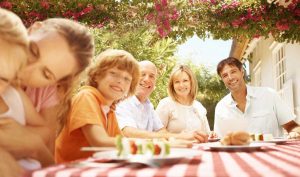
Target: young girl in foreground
[(90, 119), (14, 103)]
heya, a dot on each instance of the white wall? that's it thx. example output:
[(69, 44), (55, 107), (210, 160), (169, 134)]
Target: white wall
[(293, 72)]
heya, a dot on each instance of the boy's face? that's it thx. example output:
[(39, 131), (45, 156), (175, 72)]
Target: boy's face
[(114, 85), (11, 57)]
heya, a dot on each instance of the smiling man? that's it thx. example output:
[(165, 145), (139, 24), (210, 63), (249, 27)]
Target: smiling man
[(261, 107), (136, 115)]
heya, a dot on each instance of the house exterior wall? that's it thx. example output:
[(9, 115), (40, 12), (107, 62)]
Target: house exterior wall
[(262, 60)]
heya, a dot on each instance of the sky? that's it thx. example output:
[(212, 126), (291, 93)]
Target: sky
[(207, 52)]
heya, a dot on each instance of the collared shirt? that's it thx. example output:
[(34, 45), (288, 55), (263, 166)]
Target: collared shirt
[(132, 113), (265, 112)]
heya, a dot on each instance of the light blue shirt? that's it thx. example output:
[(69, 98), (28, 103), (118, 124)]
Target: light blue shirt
[(132, 113)]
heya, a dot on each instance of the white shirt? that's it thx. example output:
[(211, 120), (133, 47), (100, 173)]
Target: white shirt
[(179, 118), (265, 112), (14, 102), (132, 113)]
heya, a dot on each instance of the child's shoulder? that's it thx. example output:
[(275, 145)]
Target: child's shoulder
[(86, 91)]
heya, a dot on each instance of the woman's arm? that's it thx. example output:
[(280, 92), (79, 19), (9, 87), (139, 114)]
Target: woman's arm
[(33, 118), (8, 165), (21, 142), (34, 121)]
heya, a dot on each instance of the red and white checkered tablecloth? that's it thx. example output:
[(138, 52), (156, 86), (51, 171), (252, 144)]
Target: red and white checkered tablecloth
[(273, 161)]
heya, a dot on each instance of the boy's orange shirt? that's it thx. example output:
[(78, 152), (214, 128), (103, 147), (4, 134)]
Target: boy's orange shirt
[(85, 110)]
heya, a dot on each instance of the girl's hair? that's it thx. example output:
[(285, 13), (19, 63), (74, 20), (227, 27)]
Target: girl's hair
[(13, 31), (194, 84), (104, 61), (81, 44)]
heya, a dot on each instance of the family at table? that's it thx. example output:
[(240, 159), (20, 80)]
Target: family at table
[(56, 100)]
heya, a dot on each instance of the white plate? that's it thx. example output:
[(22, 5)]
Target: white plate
[(175, 155), (275, 140), (251, 146)]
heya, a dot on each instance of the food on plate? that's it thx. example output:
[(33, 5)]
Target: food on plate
[(236, 138), (261, 137), (156, 147)]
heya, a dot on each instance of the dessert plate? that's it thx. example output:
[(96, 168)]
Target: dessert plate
[(252, 146), (275, 140)]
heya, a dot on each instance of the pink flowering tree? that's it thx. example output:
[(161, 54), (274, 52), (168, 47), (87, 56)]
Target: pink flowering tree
[(178, 19)]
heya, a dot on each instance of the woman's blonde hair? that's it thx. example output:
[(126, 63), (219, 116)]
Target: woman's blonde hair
[(13, 31), (104, 61), (193, 80), (80, 41)]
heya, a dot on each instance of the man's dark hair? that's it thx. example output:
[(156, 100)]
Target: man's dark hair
[(229, 61)]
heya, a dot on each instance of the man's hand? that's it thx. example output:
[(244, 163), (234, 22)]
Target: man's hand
[(200, 136)]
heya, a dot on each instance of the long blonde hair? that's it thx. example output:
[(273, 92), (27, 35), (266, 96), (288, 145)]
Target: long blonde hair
[(104, 61), (194, 84), (13, 31)]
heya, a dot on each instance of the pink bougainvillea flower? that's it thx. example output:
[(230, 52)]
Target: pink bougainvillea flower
[(68, 14), (161, 32), (100, 25), (45, 4), (6, 5), (164, 3), (166, 24), (213, 2), (236, 23), (150, 17), (175, 15), (158, 7), (282, 26), (87, 10), (297, 12)]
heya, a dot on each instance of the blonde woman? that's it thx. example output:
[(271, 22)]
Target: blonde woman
[(180, 112)]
